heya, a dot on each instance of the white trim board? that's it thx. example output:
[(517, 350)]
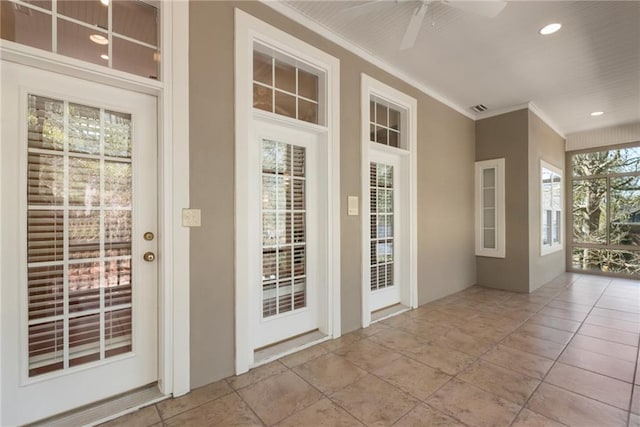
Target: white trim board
[(248, 30), (408, 155)]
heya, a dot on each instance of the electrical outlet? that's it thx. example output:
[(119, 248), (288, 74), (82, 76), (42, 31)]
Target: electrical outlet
[(191, 218)]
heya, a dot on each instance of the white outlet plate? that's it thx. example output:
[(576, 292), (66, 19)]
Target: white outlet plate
[(191, 218)]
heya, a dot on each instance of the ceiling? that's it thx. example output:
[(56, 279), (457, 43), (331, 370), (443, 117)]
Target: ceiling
[(591, 64)]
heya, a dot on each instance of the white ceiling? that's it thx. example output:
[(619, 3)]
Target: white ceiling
[(591, 64)]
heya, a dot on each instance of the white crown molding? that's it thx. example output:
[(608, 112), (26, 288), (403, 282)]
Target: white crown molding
[(542, 116), (301, 19)]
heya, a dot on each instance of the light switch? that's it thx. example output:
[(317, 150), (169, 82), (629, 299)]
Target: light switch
[(352, 206), (191, 218)]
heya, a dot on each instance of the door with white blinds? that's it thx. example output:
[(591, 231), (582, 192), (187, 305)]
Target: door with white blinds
[(385, 216), (79, 213), (285, 294)]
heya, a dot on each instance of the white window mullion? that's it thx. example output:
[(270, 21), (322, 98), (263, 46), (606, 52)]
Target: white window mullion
[(65, 237)]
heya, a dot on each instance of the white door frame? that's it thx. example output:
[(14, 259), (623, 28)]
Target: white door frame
[(248, 30), (408, 234), (173, 167)]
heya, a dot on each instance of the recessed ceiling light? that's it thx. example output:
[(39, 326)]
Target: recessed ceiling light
[(105, 57), (597, 113), (99, 39), (550, 29), (105, 2)]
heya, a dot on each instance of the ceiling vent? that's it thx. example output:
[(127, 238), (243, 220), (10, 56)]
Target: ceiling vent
[(479, 108)]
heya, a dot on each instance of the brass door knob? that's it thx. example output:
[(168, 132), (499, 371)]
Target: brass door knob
[(148, 236), (149, 256)]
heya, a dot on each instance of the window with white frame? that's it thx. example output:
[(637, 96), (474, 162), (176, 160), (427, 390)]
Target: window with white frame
[(287, 86), (123, 35), (551, 208), (490, 213), (385, 123)]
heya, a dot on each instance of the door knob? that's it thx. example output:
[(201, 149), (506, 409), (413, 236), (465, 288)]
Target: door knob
[(149, 256), (148, 236)]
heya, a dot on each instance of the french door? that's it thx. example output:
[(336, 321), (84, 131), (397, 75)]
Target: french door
[(385, 177), (79, 224), (288, 284)]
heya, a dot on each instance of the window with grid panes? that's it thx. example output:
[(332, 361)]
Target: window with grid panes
[(382, 225), (384, 124), (284, 284), (284, 86), (551, 216)]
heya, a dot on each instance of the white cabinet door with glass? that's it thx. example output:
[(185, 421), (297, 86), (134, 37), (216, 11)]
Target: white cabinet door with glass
[(384, 200), (290, 278), (79, 199)]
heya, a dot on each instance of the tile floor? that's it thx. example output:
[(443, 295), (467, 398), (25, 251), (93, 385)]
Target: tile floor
[(566, 354)]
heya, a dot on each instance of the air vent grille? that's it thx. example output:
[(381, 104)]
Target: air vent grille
[(479, 108)]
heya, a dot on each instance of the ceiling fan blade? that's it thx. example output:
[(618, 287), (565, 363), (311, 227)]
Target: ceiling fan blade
[(490, 9), (411, 34)]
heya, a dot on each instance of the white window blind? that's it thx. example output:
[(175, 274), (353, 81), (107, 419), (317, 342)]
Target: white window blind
[(382, 225), (79, 204)]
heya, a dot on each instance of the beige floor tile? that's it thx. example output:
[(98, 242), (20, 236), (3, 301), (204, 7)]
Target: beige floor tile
[(374, 401), (573, 409), (580, 308), (599, 363), (608, 334), (445, 359), (303, 356), (608, 348), (367, 355), (425, 330), (372, 329), (612, 323), (227, 411), (637, 380), (395, 321), (595, 386), (635, 401), (563, 313), (526, 363), (634, 420), (341, 342), (256, 374), (528, 418), (170, 407), (279, 396), (500, 381), (424, 415), (142, 418), (615, 314), (555, 322), (397, 340), (473, 406), (465, 343), (529, 344), (545, 333), (412, 377), (322, 413), (330, 373)]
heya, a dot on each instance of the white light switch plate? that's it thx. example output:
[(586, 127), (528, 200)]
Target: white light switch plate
[(353, 206), (191, 218)]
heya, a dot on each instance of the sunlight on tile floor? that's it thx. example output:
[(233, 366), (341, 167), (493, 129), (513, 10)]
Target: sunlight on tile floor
[(566, 354)]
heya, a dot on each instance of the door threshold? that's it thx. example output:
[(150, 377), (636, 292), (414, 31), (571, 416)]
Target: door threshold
[(385, 313), (284, 348), (106, 410)]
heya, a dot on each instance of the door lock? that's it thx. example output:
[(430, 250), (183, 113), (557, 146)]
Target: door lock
[(148, 236), (149, 256)]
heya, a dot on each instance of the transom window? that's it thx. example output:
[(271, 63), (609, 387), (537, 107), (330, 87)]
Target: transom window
[(385, 123), (285, 86), (120, 34), (551, 215)]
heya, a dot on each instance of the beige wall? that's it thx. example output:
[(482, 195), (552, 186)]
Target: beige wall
[(445, 188), (544, 144), (497, 137)]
